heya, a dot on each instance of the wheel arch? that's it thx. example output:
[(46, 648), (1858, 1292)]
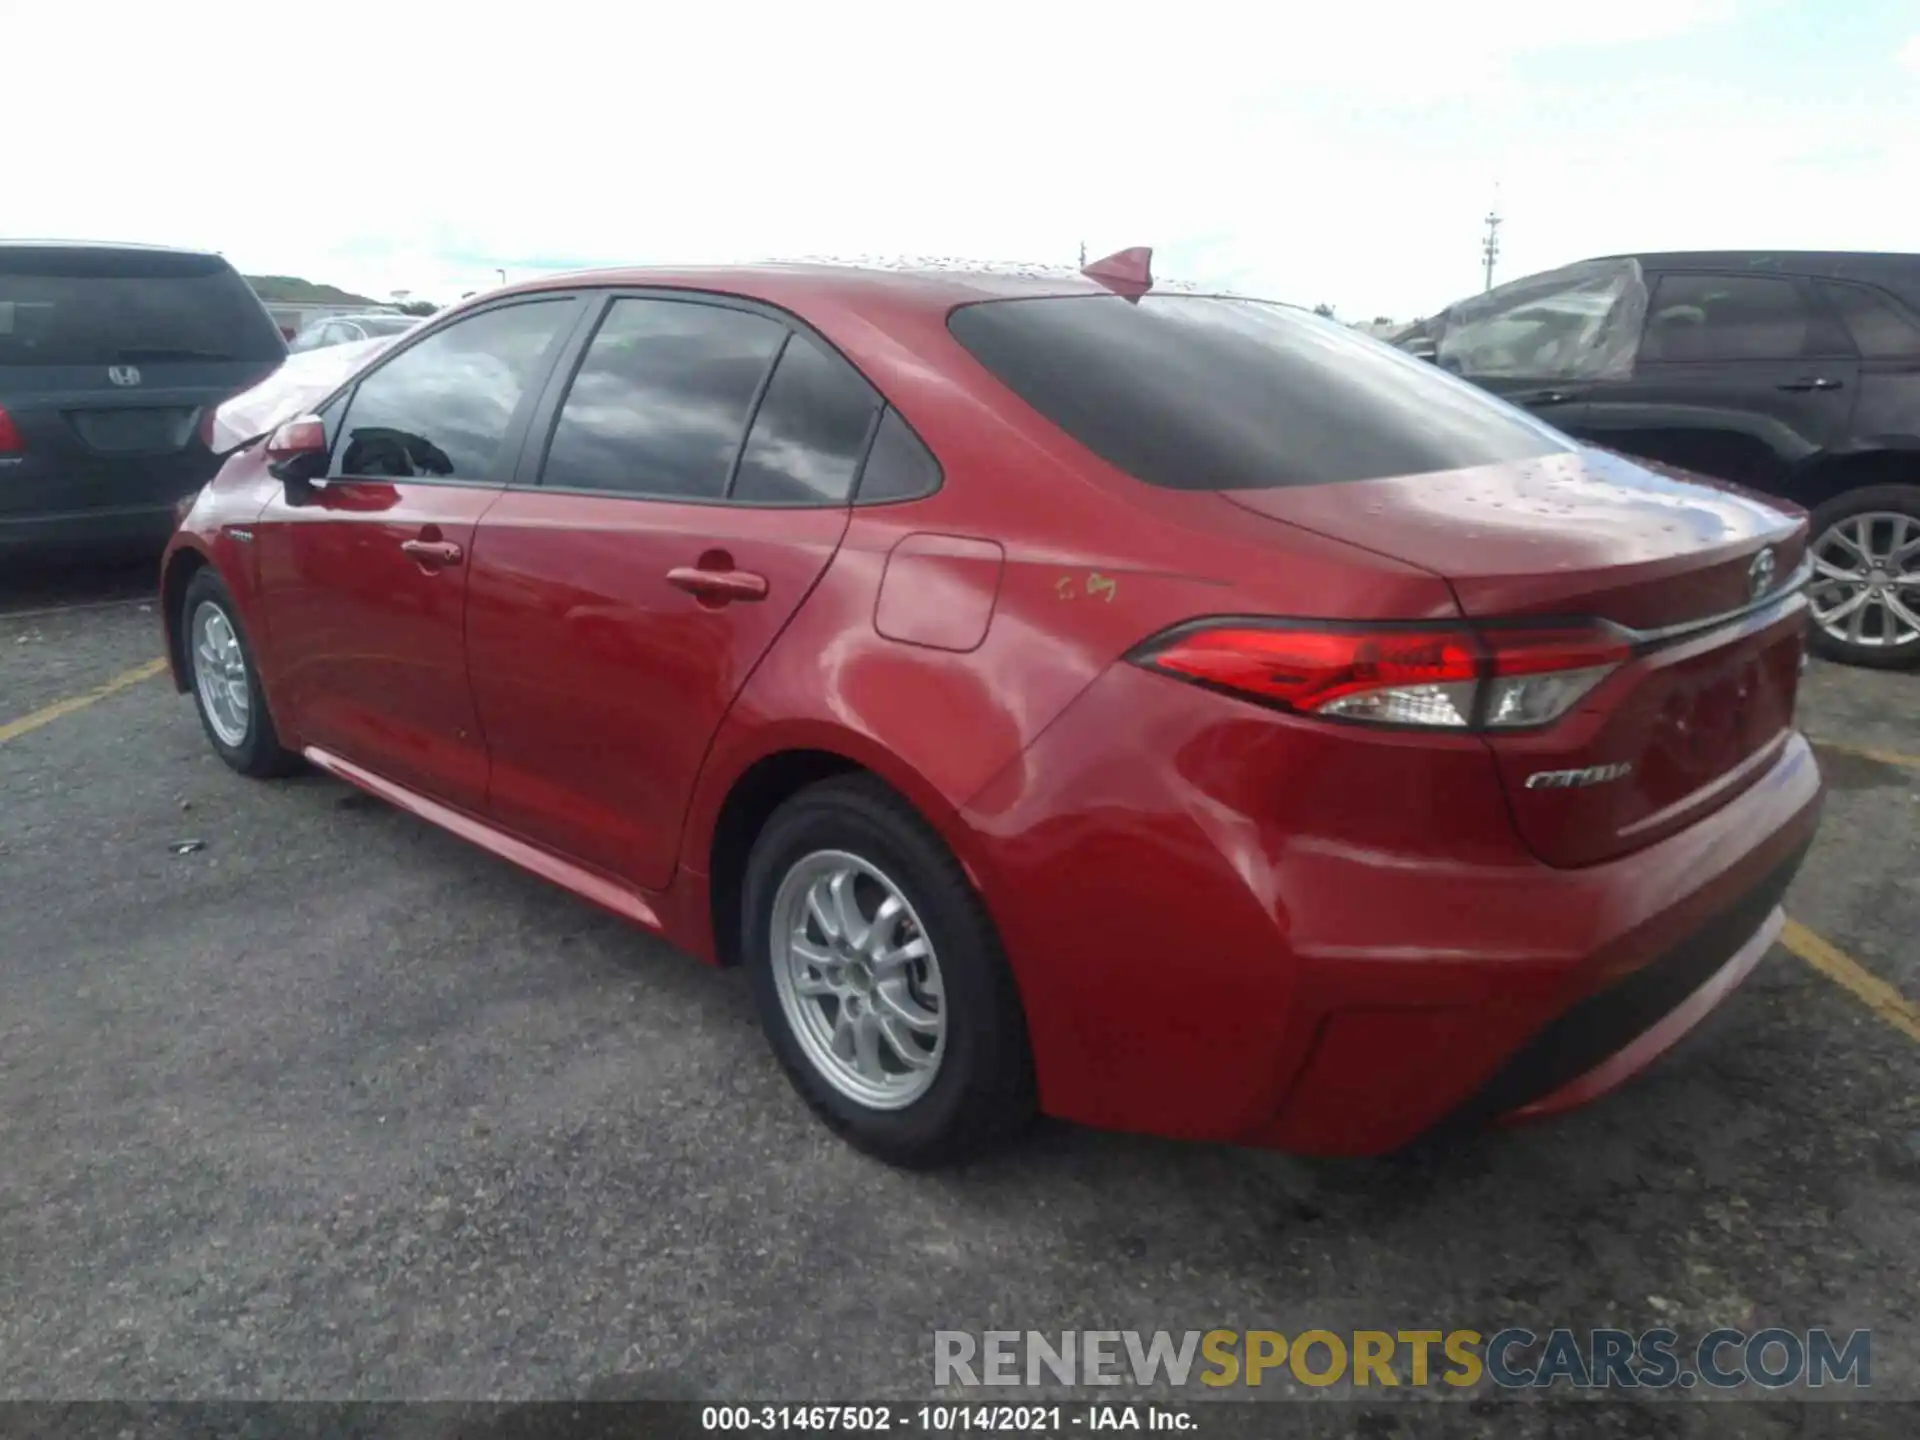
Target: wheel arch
[(1891, 461), (742, 793), (181, 566)]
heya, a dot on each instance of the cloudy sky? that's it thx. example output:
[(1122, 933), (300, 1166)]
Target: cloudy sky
[(1341, 152)]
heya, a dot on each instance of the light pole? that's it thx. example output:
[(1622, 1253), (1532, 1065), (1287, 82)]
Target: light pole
[(503, 276), (1490, 249)]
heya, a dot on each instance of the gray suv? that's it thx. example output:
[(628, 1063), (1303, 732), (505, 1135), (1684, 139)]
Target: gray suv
[(112, 360)]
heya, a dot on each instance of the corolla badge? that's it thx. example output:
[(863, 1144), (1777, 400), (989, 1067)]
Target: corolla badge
[(124, 374), (1578, 779), (1760, 573)]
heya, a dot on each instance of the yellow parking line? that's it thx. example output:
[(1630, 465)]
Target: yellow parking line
[(1865, 752), (1873, 992), (14, 729)]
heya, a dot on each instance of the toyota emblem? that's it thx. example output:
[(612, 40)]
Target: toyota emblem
[(1760, 573), (124, 374)]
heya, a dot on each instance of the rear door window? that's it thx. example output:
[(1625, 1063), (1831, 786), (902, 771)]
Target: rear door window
[(1879, 327), (132, 307), (443, 409), (810, 431), (660, 404), (1199, 393), (1697, 318)]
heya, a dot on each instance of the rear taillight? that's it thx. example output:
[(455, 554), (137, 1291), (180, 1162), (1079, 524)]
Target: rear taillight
[(10, 441), (1441, 677)]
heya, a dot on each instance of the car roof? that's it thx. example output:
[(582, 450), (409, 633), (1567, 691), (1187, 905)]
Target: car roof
[(20, 243), (1791, 262), (919, 284)]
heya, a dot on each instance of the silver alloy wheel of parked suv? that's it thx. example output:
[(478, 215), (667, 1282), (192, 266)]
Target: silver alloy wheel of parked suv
[(1866, 584)]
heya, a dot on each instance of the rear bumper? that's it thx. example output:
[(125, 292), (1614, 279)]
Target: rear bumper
[(1606, 1039), (126, 528), (1252, 929)]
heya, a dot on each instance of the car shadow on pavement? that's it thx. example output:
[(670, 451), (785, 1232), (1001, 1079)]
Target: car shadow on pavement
[(57, 583)]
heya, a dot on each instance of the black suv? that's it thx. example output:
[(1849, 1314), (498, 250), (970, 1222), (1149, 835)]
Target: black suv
[(112, 359), (1797, 374)]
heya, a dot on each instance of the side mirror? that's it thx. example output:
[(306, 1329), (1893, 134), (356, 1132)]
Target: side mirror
[(297, 452), (1422, 349)]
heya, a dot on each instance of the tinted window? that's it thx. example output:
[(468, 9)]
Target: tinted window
[(1728, 317), (1196, 393), (1878, 327), (103, 307), (443, 407), (661, 400), (898, 467), (810, 431)]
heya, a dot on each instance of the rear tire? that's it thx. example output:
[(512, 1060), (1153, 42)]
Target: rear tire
[(225, 682), (903, 1031), (1862, 532)]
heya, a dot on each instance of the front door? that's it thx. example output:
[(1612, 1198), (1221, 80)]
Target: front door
[(364, 576), (1738, 377), (695, 489)]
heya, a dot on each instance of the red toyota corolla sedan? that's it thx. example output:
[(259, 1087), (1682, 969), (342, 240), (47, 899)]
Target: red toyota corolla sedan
[(1166, 712)]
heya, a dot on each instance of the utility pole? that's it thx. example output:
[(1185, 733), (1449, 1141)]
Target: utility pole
[(1490, 248), (1083, 254)]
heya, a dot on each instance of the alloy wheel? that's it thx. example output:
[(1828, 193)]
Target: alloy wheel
[(220, 674), (858, 979), (1866, 580)]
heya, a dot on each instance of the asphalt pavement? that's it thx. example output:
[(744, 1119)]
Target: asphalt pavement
[(330, 1104)]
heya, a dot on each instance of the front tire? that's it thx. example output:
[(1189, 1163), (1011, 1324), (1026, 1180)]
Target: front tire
[(1865, 591), (225, 682), (879, 979)]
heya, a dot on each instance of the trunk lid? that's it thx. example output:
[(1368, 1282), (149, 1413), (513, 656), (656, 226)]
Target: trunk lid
[(1707, 698)]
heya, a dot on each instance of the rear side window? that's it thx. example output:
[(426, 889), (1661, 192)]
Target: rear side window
[(899, 466), (1198, 393), (661, 400), (1734, 317), (809, 432), (1880, 329), (109, 307), (442, 409)]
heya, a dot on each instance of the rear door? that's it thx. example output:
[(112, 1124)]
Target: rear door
[(693, 483), (364, 577), (1738, 377), (111, 360)]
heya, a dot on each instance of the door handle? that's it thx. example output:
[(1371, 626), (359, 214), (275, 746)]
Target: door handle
[(718, 587), (431, 552), (1547, 397), (1816, 382)]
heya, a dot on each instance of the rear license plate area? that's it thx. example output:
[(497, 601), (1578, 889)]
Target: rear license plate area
[(145, 430), (1721, 708)]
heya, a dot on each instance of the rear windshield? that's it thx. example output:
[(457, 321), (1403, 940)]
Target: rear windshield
[(386, 324), (94, 307), (1196, 393)]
